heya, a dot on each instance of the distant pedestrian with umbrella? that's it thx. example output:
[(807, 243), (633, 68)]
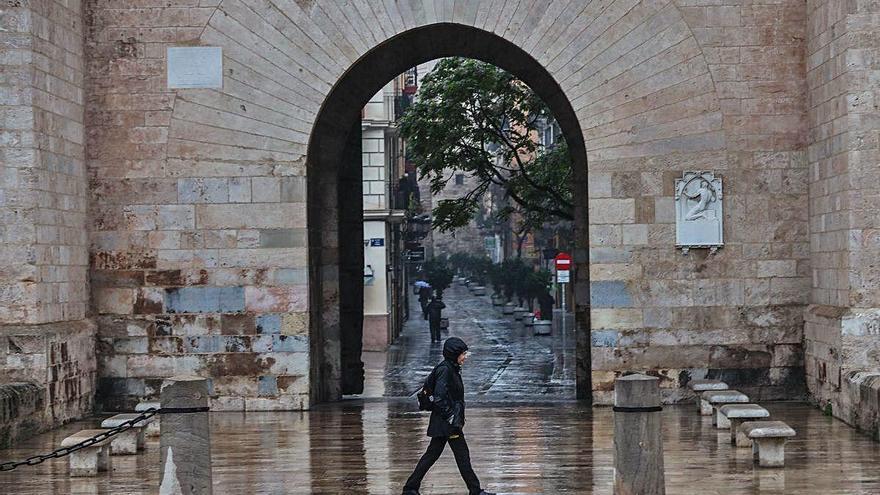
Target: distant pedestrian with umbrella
[(424, 296)]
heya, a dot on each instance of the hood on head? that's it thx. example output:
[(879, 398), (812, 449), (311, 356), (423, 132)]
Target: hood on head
[(453, 347)]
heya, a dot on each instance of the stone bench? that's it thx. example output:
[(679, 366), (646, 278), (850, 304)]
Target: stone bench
[(129, 441), (542, 327), (154, 427), (768, 441), (479, 290), (508, 309), (699, 386), (88, 460), (528, 319), (718, 398), (518, 312), (737, 414)]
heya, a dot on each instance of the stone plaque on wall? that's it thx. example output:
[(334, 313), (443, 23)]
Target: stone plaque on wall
[(195, 67), (698, 211)]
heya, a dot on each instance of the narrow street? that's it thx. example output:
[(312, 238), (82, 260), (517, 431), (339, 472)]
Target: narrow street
[(507, 362)]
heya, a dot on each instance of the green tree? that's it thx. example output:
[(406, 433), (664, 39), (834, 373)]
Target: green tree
[(438, 274), (467, 113)]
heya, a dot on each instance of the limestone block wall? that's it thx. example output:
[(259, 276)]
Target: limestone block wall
[(54, 364), (859, 401), (45, 339), (734, 105), (842, 331), (198, 198), (42, 189), (198, 233), (20, 411)]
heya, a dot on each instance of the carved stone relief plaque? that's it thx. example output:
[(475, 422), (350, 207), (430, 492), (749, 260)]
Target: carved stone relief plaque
[(699, 211)]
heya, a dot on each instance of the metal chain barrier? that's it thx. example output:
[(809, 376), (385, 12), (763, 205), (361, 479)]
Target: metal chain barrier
[(63, 451)]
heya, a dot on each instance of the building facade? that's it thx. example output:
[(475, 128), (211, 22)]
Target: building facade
[(385, 271), (206, 218)]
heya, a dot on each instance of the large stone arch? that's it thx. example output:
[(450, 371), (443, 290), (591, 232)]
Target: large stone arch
[(230, 194), (334, 180)]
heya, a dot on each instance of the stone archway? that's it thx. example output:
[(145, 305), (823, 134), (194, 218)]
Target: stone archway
[(334, 185), (214, 213)]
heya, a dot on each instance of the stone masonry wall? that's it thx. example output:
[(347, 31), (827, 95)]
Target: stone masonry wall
[(21, 415), (46, 342), (58, 361), (43, 189), (735, 315), (198, 201), (198, 246), (843, 321)]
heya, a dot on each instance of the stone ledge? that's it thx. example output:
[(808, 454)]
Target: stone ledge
[(52, 370), (21, 411), (859, 401)]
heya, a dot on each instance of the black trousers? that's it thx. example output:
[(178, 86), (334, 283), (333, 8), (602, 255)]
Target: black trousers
[(435, 331), (459, 448)]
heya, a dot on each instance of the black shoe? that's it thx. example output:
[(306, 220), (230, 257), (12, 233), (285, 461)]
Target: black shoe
[(411, 492), (484, 492)]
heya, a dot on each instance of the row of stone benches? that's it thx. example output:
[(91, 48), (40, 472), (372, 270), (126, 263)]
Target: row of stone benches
[(730, 409), (519, 313), (94, 458)]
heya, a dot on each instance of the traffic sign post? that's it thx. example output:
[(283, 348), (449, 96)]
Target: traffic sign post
[(563, 273)]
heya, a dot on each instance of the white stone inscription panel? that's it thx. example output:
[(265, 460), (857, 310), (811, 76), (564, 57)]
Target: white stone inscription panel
[(699, 219), (195, 67)]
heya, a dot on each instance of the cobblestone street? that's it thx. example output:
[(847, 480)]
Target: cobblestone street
[(507, 361)]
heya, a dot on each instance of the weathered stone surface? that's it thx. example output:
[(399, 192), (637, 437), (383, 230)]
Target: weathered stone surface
[(704, 385), (185, 438), (89, 460), (638, 437), (214, 190)]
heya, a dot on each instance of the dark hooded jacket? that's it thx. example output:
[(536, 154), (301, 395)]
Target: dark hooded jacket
[(447, 418)]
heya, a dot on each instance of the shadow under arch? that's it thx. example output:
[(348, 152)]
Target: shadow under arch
[(335, 210)]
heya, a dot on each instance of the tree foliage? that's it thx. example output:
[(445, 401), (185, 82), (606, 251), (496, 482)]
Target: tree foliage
[(474, 118), (438, 274)]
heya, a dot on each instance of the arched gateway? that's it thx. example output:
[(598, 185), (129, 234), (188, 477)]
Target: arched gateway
[(225, 225), (334, 172)]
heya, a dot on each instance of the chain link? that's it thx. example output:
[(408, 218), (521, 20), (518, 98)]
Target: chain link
[(64, 451)]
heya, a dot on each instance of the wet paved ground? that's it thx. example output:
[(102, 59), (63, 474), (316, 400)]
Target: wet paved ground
[(369, 446), (507, 361)]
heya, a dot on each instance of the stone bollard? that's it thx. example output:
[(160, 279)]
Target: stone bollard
[(186, 437), (638, 439)]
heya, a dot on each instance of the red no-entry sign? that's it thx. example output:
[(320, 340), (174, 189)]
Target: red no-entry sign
[(563, 261)]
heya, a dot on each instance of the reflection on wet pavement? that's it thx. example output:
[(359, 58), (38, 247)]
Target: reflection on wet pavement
[(507, 361), (369, 447)]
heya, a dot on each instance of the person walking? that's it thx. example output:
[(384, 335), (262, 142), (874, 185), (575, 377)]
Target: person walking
[(447, 420), (546, 301), (424, 297), (434, 310)]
